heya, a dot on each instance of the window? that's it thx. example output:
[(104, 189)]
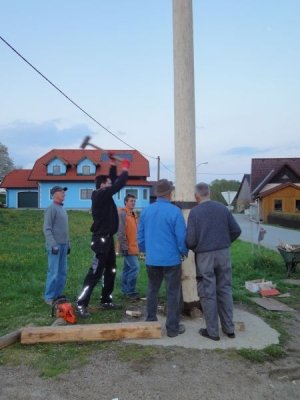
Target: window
[(277, 205), (86, 170), (86, 194), (145, 194), (127, 156), (56, 169), (297, 205), (134, 192)]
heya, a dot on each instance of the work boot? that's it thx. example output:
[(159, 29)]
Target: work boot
[(204, 333), (231, 335), (133, 296), (82, 311), (181, 330)]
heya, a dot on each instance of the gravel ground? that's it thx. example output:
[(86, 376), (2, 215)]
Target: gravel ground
[(172, 373)]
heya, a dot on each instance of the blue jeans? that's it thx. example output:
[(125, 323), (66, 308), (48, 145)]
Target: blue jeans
[(57, 272), (129, 275), (172, 277)]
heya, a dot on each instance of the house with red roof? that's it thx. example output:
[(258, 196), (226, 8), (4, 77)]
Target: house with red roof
[(275, 185), (272, 187), (76, 170)]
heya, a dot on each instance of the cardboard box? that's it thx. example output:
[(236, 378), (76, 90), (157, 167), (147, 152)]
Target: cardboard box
[(258, 284)]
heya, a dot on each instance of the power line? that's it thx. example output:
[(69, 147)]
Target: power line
[(216, 173), (172, 172), (72, 101), (91, 117)]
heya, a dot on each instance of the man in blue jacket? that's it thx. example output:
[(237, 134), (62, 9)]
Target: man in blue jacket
[(161, 236)]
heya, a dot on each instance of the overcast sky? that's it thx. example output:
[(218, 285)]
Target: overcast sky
[(115, 59)]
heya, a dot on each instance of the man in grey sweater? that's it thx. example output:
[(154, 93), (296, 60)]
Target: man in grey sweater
[(56, 231), (211, 229)]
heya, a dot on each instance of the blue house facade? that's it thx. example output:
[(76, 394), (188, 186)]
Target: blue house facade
[(76, 170), (78, 195)]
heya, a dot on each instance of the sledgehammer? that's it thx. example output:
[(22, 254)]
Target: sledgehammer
[(86, 142)]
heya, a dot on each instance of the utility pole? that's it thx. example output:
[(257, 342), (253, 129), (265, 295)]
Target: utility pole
[(158, 168), (185, 126)]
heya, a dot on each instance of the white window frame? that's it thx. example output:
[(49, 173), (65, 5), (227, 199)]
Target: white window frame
[(133, 191), (85, 190), (56, 169), (86, 170), (145, 194)]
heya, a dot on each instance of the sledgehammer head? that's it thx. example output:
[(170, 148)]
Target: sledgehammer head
[(85, 142)]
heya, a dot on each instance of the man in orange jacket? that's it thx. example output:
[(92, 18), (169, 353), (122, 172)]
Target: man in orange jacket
[(127, 236)]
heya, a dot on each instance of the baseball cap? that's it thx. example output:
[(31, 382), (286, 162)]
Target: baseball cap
[(57, 189)]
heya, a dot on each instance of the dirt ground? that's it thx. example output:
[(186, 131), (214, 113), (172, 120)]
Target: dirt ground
[(172, 373)]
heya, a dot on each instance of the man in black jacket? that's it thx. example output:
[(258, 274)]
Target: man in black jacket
[(105, 225)]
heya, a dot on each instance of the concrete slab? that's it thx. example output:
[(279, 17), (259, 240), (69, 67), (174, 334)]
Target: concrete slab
[(292, 281), (257, 335)]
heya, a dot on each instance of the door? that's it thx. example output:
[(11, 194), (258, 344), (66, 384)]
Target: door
[(27, 200)]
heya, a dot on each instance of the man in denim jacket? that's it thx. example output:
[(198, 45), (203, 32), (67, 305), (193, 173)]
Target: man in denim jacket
[(161, 235)]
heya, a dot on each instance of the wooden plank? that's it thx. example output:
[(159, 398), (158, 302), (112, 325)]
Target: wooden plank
[(91, 332), (10, 338), (292, 281), (271, 304)]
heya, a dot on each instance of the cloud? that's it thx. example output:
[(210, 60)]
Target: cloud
[(244, 151), (27, 141)]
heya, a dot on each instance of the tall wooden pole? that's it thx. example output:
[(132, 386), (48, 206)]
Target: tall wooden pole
[(185, 141)]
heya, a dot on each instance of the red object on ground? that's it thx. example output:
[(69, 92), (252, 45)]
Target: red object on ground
[(269, 292)]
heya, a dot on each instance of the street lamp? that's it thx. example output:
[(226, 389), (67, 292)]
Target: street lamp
[(205, 162)]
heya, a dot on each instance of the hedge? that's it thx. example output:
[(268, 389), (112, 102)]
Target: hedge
[(289, 220)]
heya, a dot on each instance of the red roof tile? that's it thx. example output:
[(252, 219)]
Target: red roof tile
[(265, 168), (137, 182), (18, 178), (139, 166)]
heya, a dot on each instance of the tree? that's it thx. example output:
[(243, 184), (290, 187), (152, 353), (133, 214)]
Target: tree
[(222, 185), (6, 163)]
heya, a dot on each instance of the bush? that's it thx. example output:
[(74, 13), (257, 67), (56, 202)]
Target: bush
[(289, 220), (2, 199)]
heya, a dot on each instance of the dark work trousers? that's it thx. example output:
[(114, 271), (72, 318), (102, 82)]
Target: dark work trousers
[(104, 264), (172, 277), (213, 271)]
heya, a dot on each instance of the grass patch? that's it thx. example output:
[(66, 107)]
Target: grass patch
[(23, 266), (50, 359), (136, 353), (269, 353)]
